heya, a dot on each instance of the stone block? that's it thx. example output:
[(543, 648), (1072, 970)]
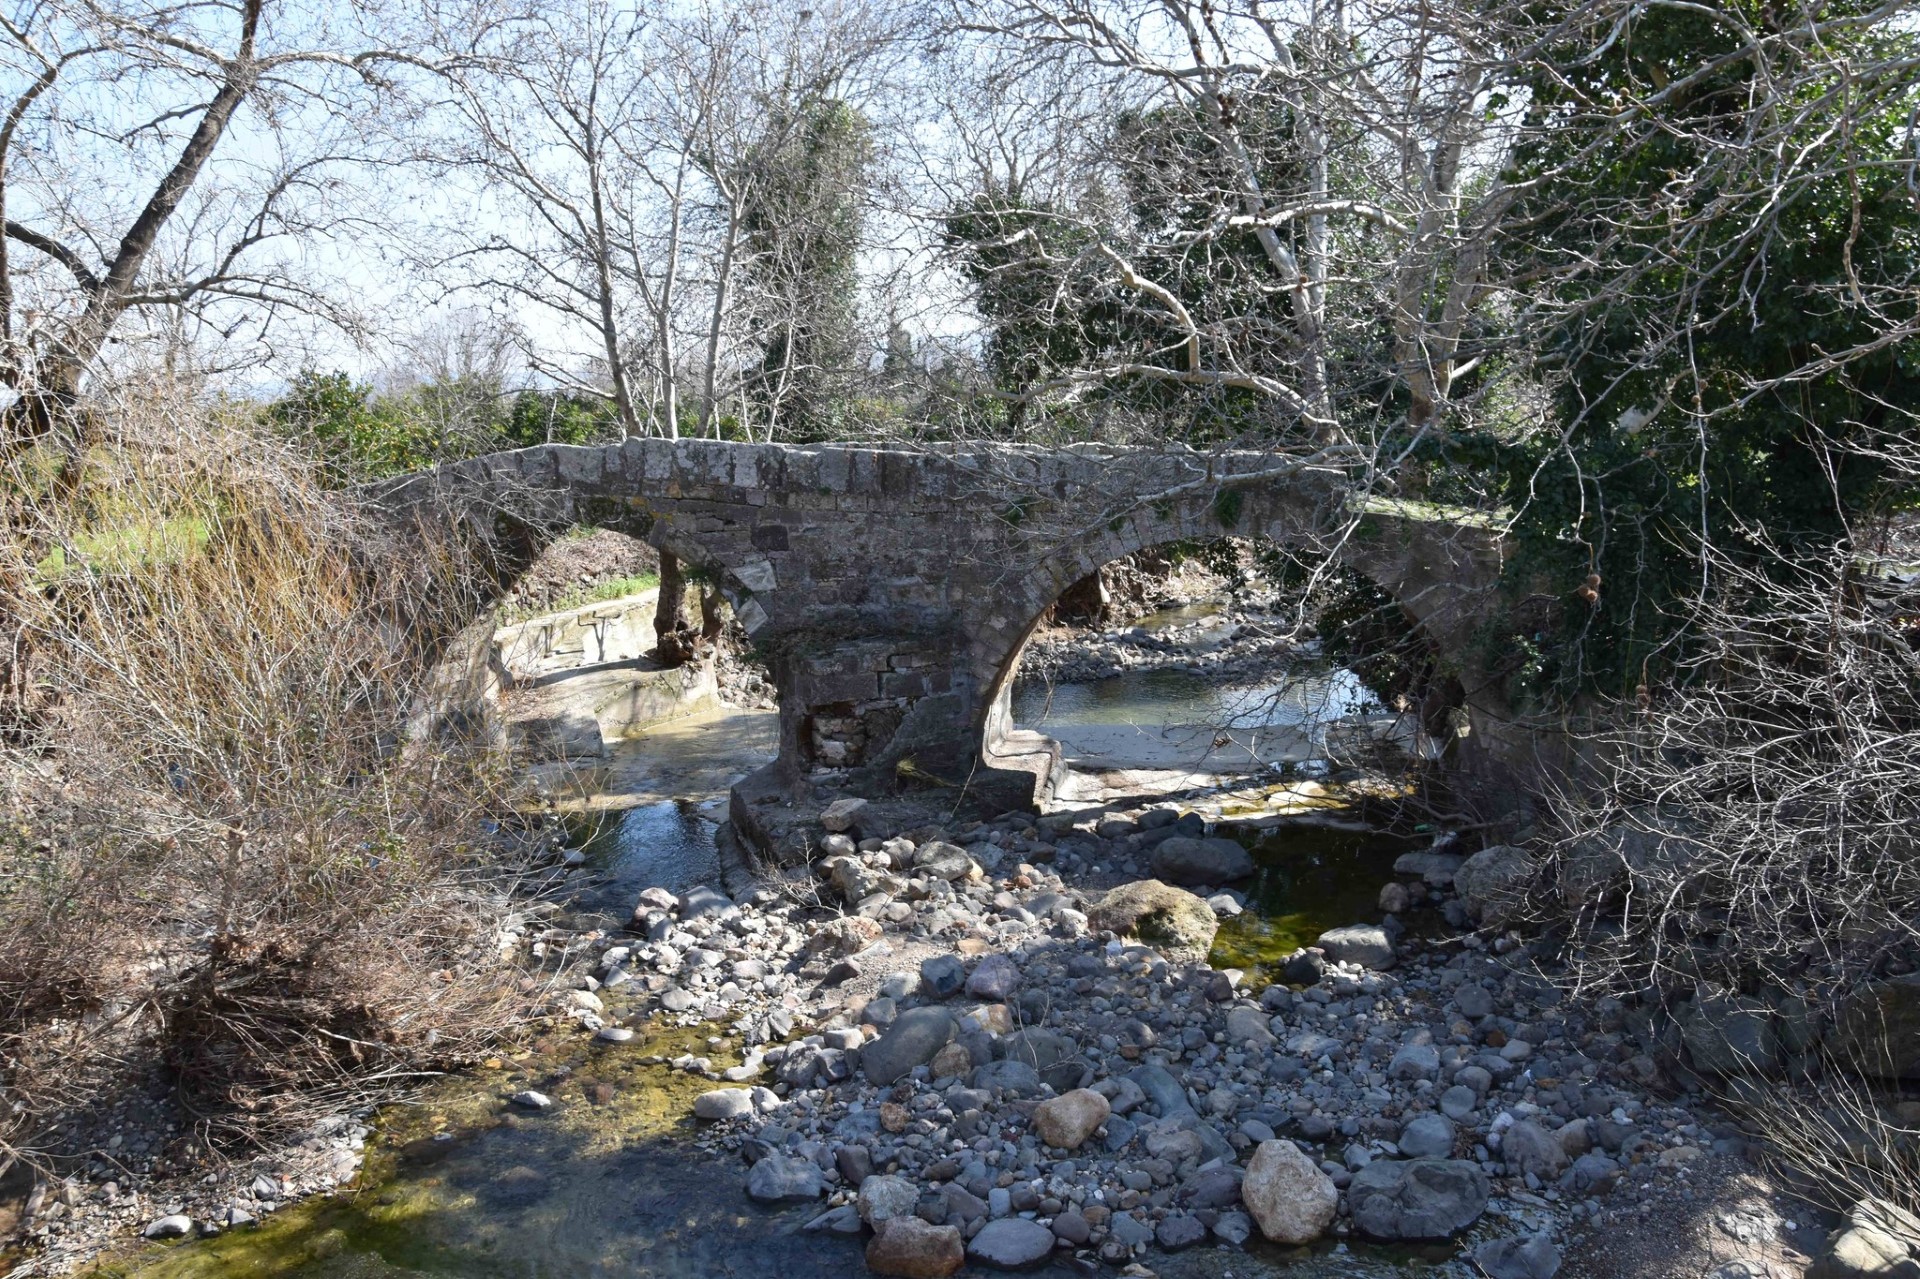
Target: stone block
[(904, 684), (823, 690)]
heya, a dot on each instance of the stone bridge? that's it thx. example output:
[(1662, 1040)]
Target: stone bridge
[(891, 589)]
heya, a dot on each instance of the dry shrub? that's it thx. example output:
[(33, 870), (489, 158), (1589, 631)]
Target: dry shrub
[(1758, 825), (217, 840), (1756, 846)]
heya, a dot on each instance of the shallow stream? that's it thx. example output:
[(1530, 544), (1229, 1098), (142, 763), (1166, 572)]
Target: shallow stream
[(608, 1182), (1182, 717)]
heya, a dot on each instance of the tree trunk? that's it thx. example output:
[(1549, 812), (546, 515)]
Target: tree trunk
[(674, 639)]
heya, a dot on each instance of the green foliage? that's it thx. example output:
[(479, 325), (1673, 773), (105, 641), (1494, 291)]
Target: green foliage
[(1694, 416), (1007, 249), (1054, 306), (554, 417), (802, 229), (357, 438), (361, 436)]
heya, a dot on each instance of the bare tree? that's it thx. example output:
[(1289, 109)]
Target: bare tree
[(165, 161), (625, 150), (1360, 146), (1393, 166)]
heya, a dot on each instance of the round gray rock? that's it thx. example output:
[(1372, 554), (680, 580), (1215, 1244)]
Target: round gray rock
[(1417, 1198), (1531, 1150), (882, 1198), (1473, 1000), (1291, 1199), (915, 1036), (777, 1177), (1427, 1137), (1011, 1243), (1365, 944), (1200, 861), (1533, 1257), (723, 1103), (942, 975), (1493, 884)]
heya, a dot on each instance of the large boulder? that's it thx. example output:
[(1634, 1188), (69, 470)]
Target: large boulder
[(842, 814), (776, 1177), (1437, 869), (945, 861), (723, 1103), (1658, 849), (1013, 1078), (1531, 1150), (847, 935), (913, 1039), (1495, 883), (1365, 944), (1172, 920), (910, 1248), (1520, 1257), (1877, 1241), (1427, 1137), (856, 880), (1877, 1028), (1730, 1036), (1289, 1197), (882, 1198), (1417, 1198), (942, 975), (994, 978), (1069, 1119), (1201, 861)]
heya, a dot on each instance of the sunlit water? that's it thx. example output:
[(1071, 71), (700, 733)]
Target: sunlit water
[(662, 845), (1182, 719)]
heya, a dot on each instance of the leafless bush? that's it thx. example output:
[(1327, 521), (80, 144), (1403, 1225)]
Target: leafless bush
[(1758, 826), (1755, 851), (215, 844), (1842, 1138)]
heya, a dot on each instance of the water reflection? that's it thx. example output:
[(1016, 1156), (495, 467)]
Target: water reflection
[(1180, 718), (666, 845)]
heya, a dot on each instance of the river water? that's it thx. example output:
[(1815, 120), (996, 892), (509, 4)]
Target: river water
[(608, 1183)]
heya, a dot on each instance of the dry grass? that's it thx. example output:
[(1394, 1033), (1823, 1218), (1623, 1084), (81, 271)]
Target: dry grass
[(216, 845)]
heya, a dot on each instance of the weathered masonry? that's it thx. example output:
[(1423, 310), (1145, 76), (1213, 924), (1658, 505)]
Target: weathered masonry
[(891, 590)]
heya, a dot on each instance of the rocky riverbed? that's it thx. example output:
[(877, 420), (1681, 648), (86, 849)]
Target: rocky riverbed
[(1023, 1043), (1015, 1062), (1232, 640), (1001, 1045)]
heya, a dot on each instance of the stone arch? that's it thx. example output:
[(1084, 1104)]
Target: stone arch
[(896, 586), (468, 680), (1380, 548), (663, 535), (994, 656)]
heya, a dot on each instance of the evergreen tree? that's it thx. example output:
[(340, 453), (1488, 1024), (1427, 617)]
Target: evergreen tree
[(1720, 378)]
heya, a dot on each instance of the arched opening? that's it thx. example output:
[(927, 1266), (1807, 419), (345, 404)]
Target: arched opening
[(635, 751), (565, 672), (1212, 663)]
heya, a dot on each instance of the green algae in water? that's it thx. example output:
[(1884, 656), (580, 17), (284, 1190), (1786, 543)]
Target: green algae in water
[(460, 1184), (1309, 879)]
